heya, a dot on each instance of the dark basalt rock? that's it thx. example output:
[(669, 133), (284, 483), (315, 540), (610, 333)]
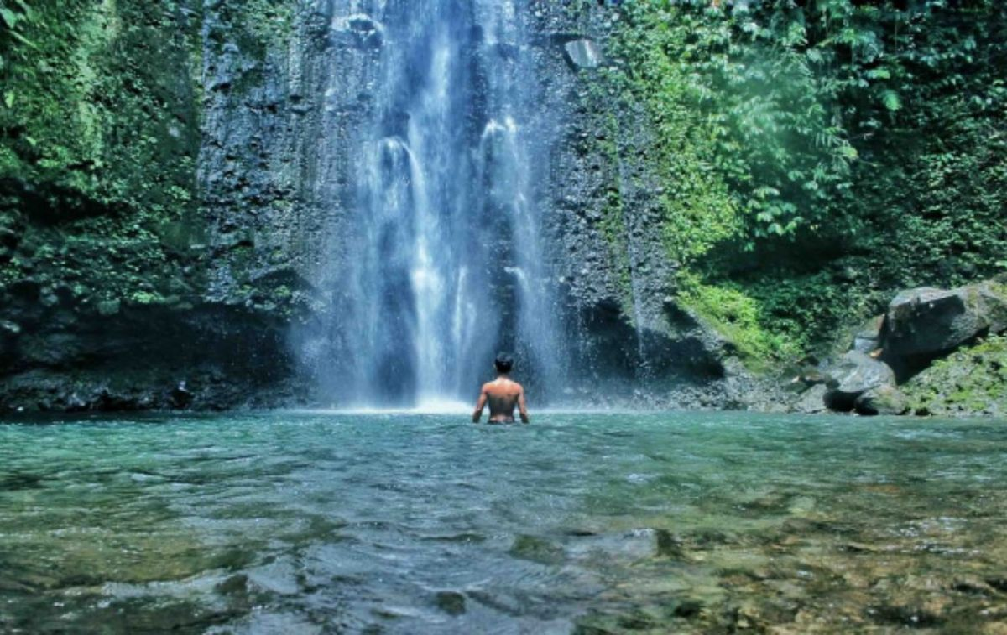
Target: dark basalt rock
[(853, 376), (927, 321), (924, 324), (180, 397), (132, 360)]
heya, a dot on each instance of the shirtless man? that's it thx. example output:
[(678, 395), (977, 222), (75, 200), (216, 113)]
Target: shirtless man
[(502, 395)]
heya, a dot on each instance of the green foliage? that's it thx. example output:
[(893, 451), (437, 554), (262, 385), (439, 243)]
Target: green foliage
[(738, 318), (737, 92), (970, 381), (101, 109), (818, 156), (812, 308), (698, 209), (99, 132)]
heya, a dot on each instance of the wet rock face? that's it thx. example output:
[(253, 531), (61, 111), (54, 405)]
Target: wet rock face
[(206, 357), (285, 94), (280, 161), (583, 53), (602, 217), (274, 168)]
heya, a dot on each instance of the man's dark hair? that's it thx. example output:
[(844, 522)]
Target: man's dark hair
[(504, 362)]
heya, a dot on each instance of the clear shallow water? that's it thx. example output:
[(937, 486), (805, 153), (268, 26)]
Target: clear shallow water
[(320, 523)]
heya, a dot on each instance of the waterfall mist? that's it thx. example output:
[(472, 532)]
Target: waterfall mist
[(442, 261)]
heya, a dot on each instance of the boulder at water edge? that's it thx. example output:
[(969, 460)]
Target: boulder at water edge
[(927, 322), (883, 400), (853, 376), (812, 401)]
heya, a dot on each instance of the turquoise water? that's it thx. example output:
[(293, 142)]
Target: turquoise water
[(327, 523)]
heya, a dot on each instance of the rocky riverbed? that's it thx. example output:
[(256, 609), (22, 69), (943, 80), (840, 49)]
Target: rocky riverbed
[(590, 524)]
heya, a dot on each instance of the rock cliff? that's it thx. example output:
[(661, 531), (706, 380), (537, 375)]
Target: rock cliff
[(193, 235)]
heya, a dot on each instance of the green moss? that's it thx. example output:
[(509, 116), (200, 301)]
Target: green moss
[(790, 171), (98, 149), (969, 381), (103, 109), (699, 209), (613, 222), (739, 319)]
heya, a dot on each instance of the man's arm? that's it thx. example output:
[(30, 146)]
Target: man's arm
[(478, 413), (522, 407)]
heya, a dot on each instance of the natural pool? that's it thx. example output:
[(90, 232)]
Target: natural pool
[(396, 523)]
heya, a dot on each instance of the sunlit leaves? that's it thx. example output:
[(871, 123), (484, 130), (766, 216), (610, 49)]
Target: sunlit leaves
[(891, 100)]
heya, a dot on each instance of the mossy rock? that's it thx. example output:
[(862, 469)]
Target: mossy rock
[(972, 381), (537, 550)]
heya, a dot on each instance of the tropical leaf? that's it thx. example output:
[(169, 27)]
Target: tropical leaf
[(891, 100), (10, 18)]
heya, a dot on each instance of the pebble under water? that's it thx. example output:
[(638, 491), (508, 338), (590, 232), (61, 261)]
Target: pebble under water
[(589, 524)]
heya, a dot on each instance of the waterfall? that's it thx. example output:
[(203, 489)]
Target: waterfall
[(445, 261)]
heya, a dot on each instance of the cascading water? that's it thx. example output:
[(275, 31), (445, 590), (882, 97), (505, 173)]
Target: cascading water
[(445, 263)]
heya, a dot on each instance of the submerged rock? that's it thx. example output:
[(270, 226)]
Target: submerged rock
[(451, 602), (537, 550)]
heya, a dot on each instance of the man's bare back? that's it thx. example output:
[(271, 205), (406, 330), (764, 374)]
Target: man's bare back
[(502, 395)]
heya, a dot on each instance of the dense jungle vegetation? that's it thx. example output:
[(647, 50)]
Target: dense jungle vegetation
[(98, 144), (816, 155), (821, 153)]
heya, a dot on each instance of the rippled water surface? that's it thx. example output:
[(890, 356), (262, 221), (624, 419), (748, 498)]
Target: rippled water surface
[(325, 523)]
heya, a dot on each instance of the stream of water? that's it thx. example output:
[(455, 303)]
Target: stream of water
[(446, 264), (585, 523)]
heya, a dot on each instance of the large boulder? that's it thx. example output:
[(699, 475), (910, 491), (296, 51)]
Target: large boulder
[(812, 400), (991, 299), (927, 322), (854, 375), (924, 324)]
